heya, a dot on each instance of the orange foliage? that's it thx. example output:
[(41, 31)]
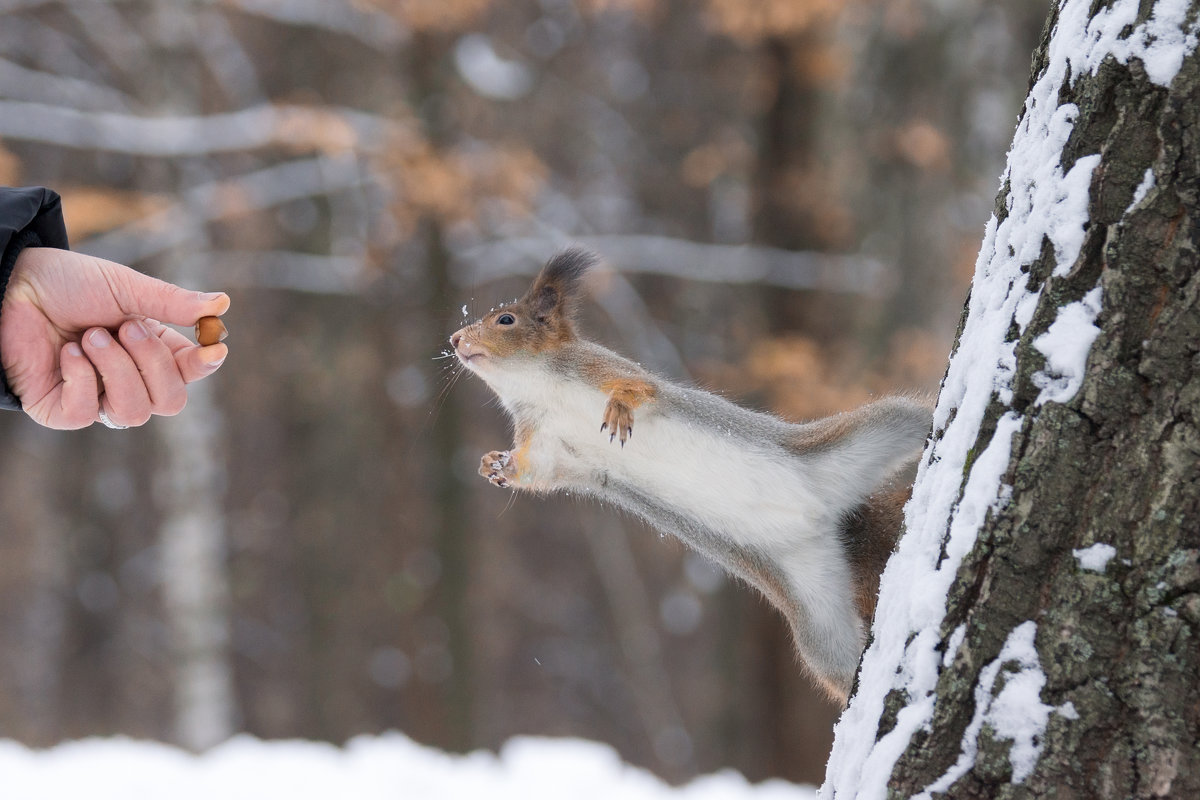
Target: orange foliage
[(306, 128), (10, 168), (799, 379), (814, 194), (431, 15), (923, 145), (709, 161), (642, 9), (449, 185), (916, 359), (89, 210), (435, 184), (750, 22), (821, 63)]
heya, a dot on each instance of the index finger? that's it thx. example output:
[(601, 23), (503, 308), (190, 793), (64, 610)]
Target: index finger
[(194, 361)]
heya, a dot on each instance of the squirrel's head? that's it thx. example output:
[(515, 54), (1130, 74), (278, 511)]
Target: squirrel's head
[(542, 320)]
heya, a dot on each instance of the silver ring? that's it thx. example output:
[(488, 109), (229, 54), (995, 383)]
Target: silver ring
[(108, 423)]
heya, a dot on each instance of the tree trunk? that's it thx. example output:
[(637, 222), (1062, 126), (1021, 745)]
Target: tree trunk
[(193, 530), (1037, 626), (195, 586)]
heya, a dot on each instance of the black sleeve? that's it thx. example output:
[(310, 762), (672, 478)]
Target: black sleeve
[(30, 217)]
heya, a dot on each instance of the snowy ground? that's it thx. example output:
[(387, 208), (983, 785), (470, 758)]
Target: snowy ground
[(389, 766)]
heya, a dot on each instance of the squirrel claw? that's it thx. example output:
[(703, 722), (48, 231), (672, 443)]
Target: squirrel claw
[(618, 418), (498, 467)]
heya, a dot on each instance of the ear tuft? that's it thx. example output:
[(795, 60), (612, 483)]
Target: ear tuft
[(555, 291), (570, 266)]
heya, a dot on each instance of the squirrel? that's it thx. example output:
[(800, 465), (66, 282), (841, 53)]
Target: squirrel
[(807, 513)]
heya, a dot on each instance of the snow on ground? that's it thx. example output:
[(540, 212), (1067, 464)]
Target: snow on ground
[(390, 766)]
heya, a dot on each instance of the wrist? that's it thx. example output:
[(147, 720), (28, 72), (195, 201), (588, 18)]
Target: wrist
[(8, 262)]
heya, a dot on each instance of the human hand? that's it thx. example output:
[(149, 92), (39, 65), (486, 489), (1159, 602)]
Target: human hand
[(60, 355)]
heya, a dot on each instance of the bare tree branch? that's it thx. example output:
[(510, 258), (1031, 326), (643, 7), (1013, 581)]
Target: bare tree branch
[(227, 59), (372, 28), (20, 82), (680, 258), (326, 129), (291, 271), (219, 199)]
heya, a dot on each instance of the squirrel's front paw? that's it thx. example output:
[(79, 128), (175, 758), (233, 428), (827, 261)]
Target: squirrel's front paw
[(498, 467), (618, 419)]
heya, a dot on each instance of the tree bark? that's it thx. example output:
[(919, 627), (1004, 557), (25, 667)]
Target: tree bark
[(1037, 632)]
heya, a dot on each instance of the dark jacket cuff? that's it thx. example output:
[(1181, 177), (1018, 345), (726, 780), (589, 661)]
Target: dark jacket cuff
[(25, 238), (30, 217)]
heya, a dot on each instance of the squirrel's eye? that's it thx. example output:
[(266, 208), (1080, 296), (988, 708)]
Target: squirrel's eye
[(506, 319)]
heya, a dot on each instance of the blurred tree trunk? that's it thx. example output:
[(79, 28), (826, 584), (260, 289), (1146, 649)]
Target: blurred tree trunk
[(35, 549), (193, 529), (451, 533), (1068, 649), (789, 170), (450, 538), (928, 116), (195, 585)]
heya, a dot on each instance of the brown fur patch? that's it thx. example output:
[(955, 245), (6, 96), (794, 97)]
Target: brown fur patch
[(522, 441), (823, 433), (624, 395), (543, 320), (631, 392), (870, 534)]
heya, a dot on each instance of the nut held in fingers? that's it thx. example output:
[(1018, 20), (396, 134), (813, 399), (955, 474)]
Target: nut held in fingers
[(210, 330)]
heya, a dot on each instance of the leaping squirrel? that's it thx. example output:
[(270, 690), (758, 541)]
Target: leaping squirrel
[(804, 512)]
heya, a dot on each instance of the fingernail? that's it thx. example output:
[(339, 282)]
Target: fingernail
[(208, 297), (214, 355), (136, 331), (74, 349), (100, 338)]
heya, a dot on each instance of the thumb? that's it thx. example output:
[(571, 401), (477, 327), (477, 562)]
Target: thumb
[(150, 297)]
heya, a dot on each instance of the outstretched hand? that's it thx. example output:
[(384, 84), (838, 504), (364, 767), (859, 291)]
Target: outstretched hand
[(61, 357)]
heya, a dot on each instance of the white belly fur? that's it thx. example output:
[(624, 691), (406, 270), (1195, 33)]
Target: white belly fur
[(712, 474), (754, 495), (751, 497)]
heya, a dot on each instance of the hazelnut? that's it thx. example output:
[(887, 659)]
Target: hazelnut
[(210, 330)]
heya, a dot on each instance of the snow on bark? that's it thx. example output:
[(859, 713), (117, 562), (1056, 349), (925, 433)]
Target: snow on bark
[(960, 476), (1065, 346), (1015, 712), (1096, 557)]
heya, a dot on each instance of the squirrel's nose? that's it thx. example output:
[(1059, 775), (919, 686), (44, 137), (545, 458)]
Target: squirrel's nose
[(455, 339)]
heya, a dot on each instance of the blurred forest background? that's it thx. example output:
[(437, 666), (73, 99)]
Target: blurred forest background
[(790, 195)]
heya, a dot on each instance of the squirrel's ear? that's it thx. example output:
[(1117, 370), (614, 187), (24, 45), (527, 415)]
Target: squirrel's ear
[(555, 291)]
